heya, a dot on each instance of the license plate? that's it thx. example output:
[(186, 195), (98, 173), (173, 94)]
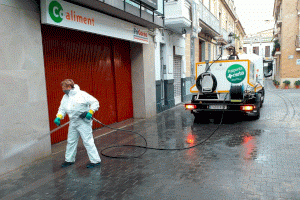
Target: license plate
[(218, 107)]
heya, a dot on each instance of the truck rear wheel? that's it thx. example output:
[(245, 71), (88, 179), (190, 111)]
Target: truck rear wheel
[(258, 105), (258, 114), (262, 97)]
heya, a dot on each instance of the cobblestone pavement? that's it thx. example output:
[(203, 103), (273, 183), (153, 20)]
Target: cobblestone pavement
[(242, 160)]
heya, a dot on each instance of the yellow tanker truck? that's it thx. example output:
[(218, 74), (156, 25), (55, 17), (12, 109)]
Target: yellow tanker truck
[(235, 86)]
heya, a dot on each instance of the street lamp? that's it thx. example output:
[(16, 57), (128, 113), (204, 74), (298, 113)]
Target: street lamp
[(232, 48), (230, 36)]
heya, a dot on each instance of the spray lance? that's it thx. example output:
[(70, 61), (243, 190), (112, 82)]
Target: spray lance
[(32, 142)]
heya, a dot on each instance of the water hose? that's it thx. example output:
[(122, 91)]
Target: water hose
[(120, 146), (146, 144)]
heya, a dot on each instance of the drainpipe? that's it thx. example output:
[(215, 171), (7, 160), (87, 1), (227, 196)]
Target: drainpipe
[(298, 12)]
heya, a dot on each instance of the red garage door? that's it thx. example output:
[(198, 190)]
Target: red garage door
[(99, 65)]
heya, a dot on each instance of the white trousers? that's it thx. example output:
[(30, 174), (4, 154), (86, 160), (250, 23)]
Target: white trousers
[(84, 129)]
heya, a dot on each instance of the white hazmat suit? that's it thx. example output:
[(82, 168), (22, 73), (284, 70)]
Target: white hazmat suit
[(74, 104)]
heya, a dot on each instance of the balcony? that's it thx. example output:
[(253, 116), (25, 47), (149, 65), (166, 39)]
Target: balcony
[(208, 22), (277, 53), (145, 14), (297, 43), (277, 31), (279, 22), (266, 39), (178, 15), (247, 41)]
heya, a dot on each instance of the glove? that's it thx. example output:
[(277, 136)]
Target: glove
[(82, 116), (87, 115), (57, 121)]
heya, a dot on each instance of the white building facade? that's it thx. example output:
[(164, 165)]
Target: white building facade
[(261, 44), (170, 63)]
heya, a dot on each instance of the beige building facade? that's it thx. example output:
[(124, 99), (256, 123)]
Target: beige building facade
[(286, 32)]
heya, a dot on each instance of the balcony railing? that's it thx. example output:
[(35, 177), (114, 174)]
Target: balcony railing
[(208, 18), (136, 8), (297, 43)]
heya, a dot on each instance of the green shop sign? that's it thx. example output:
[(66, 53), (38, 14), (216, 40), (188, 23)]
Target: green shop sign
[(235, 73), (56, 11)]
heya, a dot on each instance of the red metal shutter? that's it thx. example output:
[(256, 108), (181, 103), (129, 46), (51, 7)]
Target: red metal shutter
[(122, 64), (103, 83), (99, 65), (78, 56)]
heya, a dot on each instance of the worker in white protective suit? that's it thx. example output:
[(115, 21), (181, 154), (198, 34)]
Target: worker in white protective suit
[(80, 106)]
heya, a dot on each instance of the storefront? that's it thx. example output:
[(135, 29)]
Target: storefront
[(42, 43), (93, 49)]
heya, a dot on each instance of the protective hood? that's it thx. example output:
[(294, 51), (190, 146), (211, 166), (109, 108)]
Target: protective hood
[(74, 90)]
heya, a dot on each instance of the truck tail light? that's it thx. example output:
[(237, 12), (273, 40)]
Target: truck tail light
[(190, 139), (247, 108), (190, 106)]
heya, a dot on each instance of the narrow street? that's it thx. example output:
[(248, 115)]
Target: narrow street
[(242, 160)]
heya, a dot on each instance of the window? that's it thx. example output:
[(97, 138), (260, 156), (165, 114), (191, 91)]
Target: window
[(256, 50), (245, 50), (267, 51), (209, 51), (200, 51), (216, 52), (251, 73), (226, 26), (212, 7), (207, 4)]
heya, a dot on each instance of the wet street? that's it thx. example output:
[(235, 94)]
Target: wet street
[(243, 159)]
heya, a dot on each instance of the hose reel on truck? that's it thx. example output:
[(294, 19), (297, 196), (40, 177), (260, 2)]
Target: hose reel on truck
[(237, 92), (206, 83)]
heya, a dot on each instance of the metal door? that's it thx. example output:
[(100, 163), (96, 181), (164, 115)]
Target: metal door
[(162, 74), (177, 79)]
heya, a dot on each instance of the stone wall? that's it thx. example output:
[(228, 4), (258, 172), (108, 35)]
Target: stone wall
[(24, 123), (290, 28)]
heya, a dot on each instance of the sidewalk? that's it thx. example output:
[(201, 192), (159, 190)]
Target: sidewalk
[(242, 160), (45, 179)]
